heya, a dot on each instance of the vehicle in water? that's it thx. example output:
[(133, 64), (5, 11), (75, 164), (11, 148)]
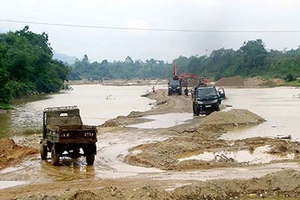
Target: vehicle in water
[(65, 135), (207, 99)]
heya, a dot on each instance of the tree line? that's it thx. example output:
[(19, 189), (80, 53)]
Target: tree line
[(27, 67), (251, 59)]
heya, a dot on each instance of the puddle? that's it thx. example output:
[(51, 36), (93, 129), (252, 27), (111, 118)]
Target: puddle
[(7, 184), (164, 121), (258, 156)]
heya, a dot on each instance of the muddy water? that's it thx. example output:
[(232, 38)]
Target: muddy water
[(164, 121), (5, 123), (96, 103), (279, 106), (259, 156)]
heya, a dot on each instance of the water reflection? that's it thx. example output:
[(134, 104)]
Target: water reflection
[(259, 155)]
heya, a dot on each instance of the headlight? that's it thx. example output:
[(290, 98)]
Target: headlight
[(215, 101), (199, 102), (65, 135)]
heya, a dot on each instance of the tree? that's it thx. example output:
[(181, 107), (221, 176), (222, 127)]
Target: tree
[(26, 65), (254, 57)]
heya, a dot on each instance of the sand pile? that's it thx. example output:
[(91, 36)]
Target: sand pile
[(236, 81), (235, 117), (10, 152)]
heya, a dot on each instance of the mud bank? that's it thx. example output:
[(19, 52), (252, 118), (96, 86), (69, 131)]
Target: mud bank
[(202, 136), (11, 153), (281, 185)]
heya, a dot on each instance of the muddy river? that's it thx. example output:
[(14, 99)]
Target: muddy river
[(279, 106), (96, 103)]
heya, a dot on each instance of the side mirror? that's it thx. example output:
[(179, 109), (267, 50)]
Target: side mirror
[(222, 93)]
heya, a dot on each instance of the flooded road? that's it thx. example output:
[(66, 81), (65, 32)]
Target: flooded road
[(279, 106)]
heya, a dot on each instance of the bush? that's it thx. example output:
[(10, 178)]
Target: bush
[(289, 78)]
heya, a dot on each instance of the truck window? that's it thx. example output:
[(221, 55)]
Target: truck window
[(63, 115), (203, 92)]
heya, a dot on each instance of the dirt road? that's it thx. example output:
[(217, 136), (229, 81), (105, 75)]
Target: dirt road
[(185, 161)]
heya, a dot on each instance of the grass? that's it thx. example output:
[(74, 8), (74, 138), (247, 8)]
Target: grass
[(295, 83), (6, 107)]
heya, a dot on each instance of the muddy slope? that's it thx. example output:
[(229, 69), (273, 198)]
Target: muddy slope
[(11, 153)]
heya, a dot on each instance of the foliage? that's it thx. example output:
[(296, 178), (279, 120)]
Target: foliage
[(251, 59), (26, 65), (127, 69)]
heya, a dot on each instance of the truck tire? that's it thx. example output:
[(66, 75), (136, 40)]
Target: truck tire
[(197, 110), (54, 156), (90, 159), (194, 112), (43, 151)]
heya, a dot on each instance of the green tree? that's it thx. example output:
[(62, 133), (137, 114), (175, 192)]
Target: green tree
[(26, 65), (253, 58)]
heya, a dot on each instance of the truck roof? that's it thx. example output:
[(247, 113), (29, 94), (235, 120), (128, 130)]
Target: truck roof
[(61, 109)]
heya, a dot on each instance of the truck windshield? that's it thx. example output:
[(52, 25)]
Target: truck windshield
[(205, 92), (174, 83)]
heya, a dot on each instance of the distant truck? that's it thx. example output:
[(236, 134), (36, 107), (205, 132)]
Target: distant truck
[(174, 86), (207, 99), (65, 135)]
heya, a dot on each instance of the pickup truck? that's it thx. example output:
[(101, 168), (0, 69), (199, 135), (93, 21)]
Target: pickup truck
[(207, 99), (65, 135)]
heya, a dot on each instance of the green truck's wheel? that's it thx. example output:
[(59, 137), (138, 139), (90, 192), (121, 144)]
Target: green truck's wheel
[(90, 159), (43, 152), (54, 156)]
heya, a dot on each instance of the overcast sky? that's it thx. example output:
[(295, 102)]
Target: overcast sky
[(100, 44)]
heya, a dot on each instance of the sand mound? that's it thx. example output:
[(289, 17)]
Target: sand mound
[(10, 152), (235, 117), (236, 81)]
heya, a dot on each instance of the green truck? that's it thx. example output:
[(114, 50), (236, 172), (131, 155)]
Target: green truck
[(65, 135)]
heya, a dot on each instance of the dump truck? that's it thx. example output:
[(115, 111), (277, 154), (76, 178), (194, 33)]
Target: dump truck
[(174, 85), (64, 134)]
